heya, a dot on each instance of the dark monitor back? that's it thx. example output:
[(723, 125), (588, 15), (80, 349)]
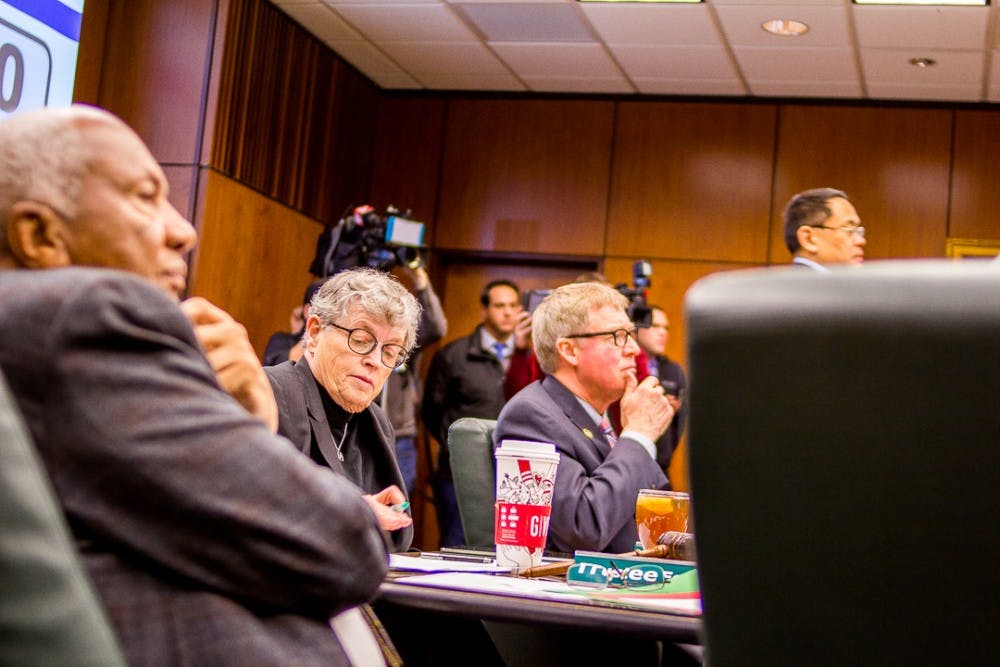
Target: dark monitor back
[(844, 434)]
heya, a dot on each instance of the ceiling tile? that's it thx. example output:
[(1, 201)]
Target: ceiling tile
[(396, 81), (338, 3), (366, 58), (321, 22), (409, 23), (827, 25), (440, 58), (689, 86), (471, 82), (652, 24), (566, 46), (848, 89), (892, 66), (528, 22), (800, 64), (928, 27), (902, 91), (569, 59), (556, 84), (675, 62)]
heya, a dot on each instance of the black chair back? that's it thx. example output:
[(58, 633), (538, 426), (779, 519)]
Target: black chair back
[(844, 435)]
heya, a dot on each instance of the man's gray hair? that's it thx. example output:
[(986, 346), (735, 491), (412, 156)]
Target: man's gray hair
[(379, 294), (805, 209), (43, 156), (566, 311)]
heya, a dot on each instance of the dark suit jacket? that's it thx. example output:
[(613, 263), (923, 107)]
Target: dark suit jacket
[(209, 540), (302, 419), (671, 375), (593, 505)]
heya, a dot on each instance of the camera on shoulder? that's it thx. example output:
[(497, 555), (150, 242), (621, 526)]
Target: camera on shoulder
[(366, 237)]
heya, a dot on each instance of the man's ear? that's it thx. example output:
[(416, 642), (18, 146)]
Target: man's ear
[(568, 350), (805, 236), (36, 236)]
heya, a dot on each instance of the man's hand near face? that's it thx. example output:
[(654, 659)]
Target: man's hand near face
[(234, 360), (644, 408)]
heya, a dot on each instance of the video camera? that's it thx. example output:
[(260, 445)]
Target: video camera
[(364, 237), (638, 308)]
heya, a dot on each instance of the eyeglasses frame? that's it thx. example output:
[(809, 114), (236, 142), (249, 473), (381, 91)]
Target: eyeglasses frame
[(400, 360), (850, 230), (629, 334)]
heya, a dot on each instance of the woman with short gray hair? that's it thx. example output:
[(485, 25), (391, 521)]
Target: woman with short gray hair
[(362, 325)]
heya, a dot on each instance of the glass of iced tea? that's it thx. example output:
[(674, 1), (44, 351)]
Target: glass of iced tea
[(657, 512)]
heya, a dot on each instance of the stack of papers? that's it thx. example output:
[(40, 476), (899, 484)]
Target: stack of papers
[(438, 563)]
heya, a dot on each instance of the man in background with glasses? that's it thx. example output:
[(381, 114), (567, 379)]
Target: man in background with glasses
[(822, 228), (586, 345), (362, 325)]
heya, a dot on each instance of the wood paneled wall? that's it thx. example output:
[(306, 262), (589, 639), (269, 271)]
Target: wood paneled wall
[(253, 255), (894, 163), (293, 121), (525, 176), (691, 181), (265, 135)]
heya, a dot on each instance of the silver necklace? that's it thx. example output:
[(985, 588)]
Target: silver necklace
[(340, 445)]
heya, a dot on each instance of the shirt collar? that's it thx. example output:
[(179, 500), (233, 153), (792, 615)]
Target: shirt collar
[(815, 266)]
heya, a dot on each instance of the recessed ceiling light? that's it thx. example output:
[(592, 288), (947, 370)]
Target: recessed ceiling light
[(785, 27), (922, 62)]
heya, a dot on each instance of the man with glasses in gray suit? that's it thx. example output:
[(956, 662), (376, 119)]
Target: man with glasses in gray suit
[(822, 228)]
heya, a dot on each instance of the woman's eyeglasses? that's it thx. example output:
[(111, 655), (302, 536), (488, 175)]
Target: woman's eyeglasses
[(362, 341)]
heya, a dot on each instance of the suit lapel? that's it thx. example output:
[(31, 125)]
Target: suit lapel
[(571, 407), (318, 425)]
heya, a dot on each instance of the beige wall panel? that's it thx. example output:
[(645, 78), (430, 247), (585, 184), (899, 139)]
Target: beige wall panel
[(253, 256), (975, 196), (525, 176), (692, 181), (893, 163)]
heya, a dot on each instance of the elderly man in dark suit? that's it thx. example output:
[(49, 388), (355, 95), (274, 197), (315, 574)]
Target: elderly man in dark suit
[(362, 325), (586, 344), (210, 540)]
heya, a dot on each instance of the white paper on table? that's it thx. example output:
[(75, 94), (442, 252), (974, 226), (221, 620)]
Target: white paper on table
[(484, 583), (425, 564)]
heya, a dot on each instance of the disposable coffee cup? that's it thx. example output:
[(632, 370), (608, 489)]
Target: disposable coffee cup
[(526, 477)]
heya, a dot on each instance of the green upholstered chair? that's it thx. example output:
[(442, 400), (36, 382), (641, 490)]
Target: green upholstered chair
[(49, 614), (473, 468), (844, 451)]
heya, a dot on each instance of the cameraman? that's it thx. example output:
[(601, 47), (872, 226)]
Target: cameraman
[(401, 393), (653, 341)]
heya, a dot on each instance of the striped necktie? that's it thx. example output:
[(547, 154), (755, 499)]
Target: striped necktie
[(609, 433)]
